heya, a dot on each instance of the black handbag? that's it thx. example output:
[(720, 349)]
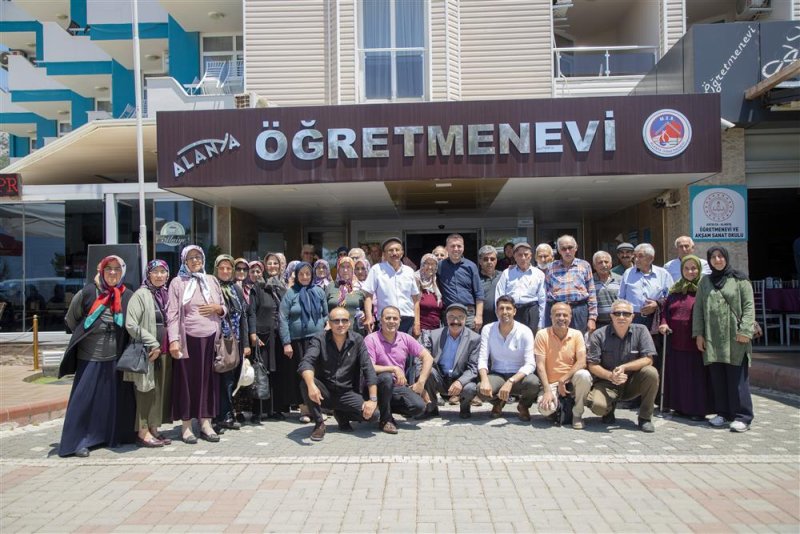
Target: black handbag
[(134, 358), (260, 387), (226, 355)]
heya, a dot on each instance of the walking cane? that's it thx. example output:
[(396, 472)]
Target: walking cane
[(663, 368)]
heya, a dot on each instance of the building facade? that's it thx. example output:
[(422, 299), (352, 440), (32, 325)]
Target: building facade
[(517, 66)]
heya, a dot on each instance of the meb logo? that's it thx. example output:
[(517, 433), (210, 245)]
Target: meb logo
[(667, 133)]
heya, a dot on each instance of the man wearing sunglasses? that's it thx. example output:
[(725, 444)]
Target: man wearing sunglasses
[(332, 370), (620, 358)]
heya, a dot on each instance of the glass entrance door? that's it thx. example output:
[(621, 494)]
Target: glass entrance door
[(421, 243)]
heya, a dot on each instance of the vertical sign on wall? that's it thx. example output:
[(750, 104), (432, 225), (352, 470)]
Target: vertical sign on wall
[(718, 212), (10, 187)]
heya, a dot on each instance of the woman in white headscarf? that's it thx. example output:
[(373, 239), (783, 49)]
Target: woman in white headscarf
[(194, 314)]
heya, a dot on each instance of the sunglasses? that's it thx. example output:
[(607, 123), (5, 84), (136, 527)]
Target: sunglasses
[(339, 321), (621, 314), (242, 269)]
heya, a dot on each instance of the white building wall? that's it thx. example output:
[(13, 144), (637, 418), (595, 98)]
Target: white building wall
[(11, 12), (348, 59), (23, 76), (60, 46), (121, 11), (285, 51), (516, 65), (673, 25)]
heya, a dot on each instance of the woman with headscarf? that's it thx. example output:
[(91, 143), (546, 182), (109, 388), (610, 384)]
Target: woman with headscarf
[(266, 300), (280, 258), (101, 408), (303, 312), (194, 315), (361, 269), (430, 302), (685, 377), (146, 322), (357, 253), (240, 322), (322, 274), (241, 271), (723, 325), (288, 273), (346, 292)]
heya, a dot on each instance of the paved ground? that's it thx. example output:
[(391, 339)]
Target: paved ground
[(441, 475)]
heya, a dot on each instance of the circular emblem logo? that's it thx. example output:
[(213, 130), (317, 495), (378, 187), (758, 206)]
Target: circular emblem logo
[(718, 206), (172, 234), (667, 133)]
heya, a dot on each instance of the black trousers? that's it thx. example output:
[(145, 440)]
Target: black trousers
[(528, 314), (438, 383), (730, 385), (347, 404), (400, 399)]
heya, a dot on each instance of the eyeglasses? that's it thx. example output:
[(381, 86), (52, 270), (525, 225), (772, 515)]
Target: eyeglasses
[(621, 314), (569, 247), (113, 269), (339, 321), (242, 269)]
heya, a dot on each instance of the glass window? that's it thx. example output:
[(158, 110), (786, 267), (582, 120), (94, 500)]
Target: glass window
[(326, 242), (128, 222), (393, 54), (11, 279), (227, 48)]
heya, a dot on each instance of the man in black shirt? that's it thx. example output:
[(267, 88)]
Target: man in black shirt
[(332, 369)]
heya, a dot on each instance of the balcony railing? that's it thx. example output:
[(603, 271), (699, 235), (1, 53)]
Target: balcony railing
[(603, 61)]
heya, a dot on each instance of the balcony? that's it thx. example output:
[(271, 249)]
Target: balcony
[(598, 70)]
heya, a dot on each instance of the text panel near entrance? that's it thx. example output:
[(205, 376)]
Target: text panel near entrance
[(419, 244)]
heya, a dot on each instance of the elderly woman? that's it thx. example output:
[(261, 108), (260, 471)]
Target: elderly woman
[(685, 377), (723, 322), (303, 312), (430, 303), (146, 322), (357, 253), (194, 313), (322, 274), (241, 269), (361, 269), (101, 405), (240, 322), (347, 293), (288, 273), (265, 301)]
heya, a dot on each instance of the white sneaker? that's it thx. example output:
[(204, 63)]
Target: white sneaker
[(718, 421), (738, 426)]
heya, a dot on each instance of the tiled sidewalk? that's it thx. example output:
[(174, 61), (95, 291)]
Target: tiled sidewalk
[(23, 403)]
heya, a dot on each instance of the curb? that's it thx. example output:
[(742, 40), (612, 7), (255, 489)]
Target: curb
[(775, 377), (34, 413)]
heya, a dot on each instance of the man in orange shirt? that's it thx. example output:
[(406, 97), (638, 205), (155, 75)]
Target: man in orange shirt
[(561, 363)]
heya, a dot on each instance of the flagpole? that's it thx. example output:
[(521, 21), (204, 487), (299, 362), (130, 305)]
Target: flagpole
[(137, 78)]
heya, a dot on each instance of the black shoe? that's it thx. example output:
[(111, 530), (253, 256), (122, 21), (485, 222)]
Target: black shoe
[(431, 410), (83, 452), (240, 418), (277, 416), (344, 424), (609, 418), (255, 420), (465, 412), (191, 439), (231, 424), (646, 426), (218, 429), (318, 434), (213, 438)]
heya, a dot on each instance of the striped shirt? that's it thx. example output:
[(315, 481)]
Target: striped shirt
[(607, 293), (572, 284)]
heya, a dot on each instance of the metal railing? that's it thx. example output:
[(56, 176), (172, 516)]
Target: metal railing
[(603, 61)]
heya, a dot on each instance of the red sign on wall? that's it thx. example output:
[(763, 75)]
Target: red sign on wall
[(10, 186)]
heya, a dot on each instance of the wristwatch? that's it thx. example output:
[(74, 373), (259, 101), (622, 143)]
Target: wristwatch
[(512, 380), (373, 398)]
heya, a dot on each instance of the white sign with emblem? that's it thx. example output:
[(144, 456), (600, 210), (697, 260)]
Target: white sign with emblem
[(718, 212)]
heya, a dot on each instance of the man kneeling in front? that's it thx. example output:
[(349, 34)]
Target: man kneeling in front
[(561, 364), (506, 363), (332, 369), (621, 360)]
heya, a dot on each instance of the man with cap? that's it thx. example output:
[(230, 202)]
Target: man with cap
[(455, 362), (625, 257), (525, 284), (332, 369), (459, 281), (570, 280), (390, 283), (684, 246), (487, 260)]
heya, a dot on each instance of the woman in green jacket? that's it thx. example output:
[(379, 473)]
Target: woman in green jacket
[(723, 322), (145, 322)]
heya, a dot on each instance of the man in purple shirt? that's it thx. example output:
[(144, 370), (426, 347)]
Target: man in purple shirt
[(393, 353)]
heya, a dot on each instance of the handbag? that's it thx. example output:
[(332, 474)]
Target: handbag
[(226, 354), (260, 387), (134, 358), (757, 332)]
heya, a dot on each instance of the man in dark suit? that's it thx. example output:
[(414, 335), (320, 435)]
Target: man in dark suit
[(455, 362)]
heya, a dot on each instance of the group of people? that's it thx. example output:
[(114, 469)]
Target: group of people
[(365, 340)]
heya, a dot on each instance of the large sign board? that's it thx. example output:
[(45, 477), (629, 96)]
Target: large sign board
[(718, 212), (668, 134)]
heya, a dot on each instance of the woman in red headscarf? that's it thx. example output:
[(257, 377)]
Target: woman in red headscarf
[(101, 407)]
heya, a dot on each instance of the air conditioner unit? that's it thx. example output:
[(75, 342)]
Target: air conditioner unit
[(750, 9), (560, 8)]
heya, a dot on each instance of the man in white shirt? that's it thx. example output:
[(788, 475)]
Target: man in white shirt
[(506, 363), (390, 283), (526, 285), (684, 246)]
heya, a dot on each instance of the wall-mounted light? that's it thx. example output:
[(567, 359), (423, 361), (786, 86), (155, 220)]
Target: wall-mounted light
[(216, 15), (100, 88), (441, 202), (444, 184), (62, 16), (152, 57), (63, 112)]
